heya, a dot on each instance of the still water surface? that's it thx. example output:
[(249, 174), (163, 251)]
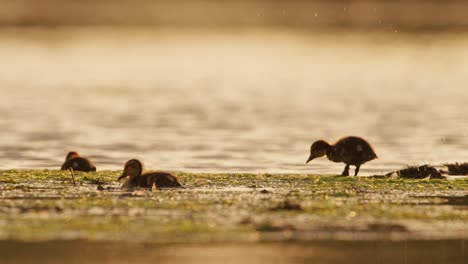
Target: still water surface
[(229, 101), (327, 252)]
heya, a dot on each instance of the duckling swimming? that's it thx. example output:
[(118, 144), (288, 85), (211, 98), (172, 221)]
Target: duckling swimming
[(349, 150), (139, 178), (77, 163)]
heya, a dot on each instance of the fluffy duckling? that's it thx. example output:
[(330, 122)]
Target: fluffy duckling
[(349, 150), (77, 163), (139, 178)]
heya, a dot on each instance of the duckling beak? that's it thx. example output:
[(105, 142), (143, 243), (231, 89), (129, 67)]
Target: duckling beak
[(123, 175), (309, 159)]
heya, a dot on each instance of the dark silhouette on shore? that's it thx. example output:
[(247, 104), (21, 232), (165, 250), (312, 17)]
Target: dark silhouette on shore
[(349, 150), (77, 163), (417, 172), (139, 178)]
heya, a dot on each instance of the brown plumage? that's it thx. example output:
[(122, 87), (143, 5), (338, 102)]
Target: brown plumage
[(139, 178), (77, 163), (349, 150)]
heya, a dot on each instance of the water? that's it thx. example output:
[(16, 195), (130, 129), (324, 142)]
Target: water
[(329, 252), (210, 101)]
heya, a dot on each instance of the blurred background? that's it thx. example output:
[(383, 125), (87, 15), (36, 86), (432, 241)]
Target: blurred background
[(376, 14), (232, 85)]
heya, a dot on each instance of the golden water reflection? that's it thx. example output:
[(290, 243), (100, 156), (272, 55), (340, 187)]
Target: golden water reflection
[(240, 100)]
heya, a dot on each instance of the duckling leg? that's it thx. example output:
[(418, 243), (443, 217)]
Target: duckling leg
[(151, 186), (346, 171), (357, 170)]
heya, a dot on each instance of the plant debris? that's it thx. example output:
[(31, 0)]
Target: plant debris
[(417, 172), (457, 168), (287, 205)]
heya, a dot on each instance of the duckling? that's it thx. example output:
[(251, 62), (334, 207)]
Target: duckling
[(77, 163), (349, 150), (139, 178)]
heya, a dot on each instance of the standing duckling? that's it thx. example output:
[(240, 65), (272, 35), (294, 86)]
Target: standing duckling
[(349, 150), (77, 163), (139, 178)]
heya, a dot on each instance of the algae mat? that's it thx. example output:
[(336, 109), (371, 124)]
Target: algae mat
[(45, 205), (277, 213)]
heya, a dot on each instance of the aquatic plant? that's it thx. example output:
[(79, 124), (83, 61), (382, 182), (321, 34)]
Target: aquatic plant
[(457, 168), (417, 172)]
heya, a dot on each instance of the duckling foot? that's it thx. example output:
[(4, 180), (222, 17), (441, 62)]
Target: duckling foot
[(346, 171)]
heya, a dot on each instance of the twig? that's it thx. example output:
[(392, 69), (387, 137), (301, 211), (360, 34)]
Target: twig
[(73, 176)]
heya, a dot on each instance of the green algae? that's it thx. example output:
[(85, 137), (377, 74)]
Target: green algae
[(45, 204)]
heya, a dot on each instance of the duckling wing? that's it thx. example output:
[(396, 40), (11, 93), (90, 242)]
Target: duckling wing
[(354, 150), (163, 180)]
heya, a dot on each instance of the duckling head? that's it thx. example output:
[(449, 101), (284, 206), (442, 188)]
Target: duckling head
[(318, 149), (71, 155), (133, 168)]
